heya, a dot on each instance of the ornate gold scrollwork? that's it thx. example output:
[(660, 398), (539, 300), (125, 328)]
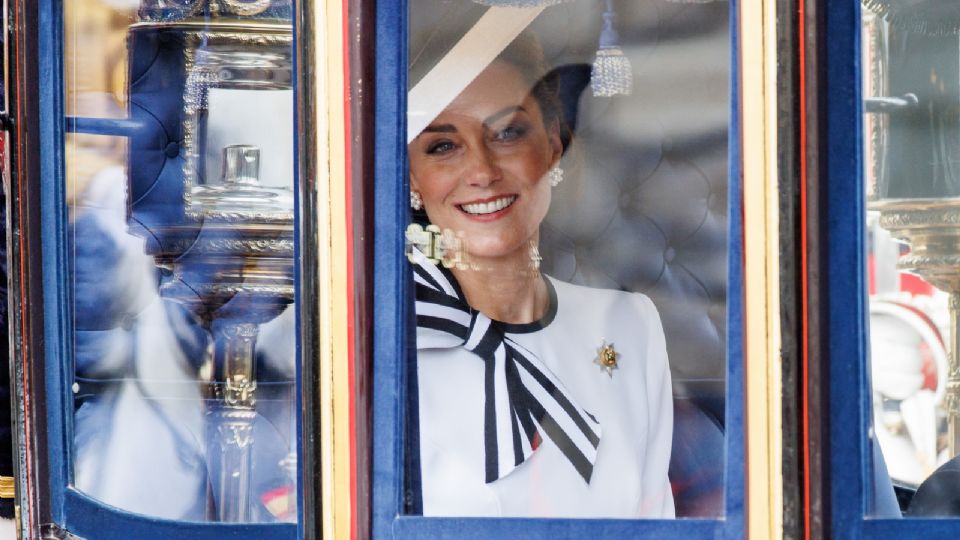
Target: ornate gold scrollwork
[(240, 391)]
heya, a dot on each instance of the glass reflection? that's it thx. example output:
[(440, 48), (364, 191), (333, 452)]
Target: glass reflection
[(181, 248), (911, 53), (569, 236)]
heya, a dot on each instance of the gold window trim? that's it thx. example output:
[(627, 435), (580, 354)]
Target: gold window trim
[(761, 238), (328, 56)]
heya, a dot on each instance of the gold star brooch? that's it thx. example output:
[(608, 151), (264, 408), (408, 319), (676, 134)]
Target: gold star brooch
[(607, 357)]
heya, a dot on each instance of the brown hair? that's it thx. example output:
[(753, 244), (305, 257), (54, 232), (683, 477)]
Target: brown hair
[(526, 54)]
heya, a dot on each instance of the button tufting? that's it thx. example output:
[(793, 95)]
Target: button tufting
[(713, 202), (669, 254), (172, 150)]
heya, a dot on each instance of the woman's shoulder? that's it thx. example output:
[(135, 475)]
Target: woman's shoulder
[(581, 297), (627, 321)]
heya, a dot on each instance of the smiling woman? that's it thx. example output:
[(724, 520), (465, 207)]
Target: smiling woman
[(480, 170), (536, 397)]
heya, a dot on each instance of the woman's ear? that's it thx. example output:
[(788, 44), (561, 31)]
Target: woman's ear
[(556, 143), (414, 185)]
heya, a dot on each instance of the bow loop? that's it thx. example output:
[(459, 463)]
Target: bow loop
[(523, 399)]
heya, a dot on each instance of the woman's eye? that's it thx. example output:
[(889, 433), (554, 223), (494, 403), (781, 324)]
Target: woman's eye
[(510, 133), (440, 147)]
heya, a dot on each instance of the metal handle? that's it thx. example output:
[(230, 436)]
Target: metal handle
[(890, 104)]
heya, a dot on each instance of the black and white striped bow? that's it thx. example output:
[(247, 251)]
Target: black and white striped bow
[(522, 396)]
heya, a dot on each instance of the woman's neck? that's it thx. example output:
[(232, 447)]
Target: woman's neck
[(510, 291)]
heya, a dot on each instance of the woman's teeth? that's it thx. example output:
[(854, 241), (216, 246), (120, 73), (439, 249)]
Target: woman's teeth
[(488, 207)]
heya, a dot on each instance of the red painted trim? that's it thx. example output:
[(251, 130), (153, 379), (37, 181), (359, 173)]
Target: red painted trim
[(351, 278), (804, 270)]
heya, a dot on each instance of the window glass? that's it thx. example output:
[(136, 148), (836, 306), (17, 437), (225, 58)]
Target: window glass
[(179, 185), (911, 82), (568, 168)]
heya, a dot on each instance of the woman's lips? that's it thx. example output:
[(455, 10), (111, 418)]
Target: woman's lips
[(489, 207)]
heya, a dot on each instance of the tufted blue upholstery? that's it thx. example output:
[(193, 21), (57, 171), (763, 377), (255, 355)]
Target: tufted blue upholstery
[(156, 167), (644, 208), (662, 233), (656, 224)]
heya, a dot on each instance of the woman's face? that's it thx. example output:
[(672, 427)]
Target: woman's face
[(480, 164)]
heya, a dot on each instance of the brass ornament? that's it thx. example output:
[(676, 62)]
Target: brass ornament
[(932, 229), (246, 8), (607, 358), (7, 487)]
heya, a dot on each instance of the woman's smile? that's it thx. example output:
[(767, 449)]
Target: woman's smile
[(488, 209)]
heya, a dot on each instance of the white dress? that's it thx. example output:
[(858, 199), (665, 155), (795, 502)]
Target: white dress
[(634, 408)]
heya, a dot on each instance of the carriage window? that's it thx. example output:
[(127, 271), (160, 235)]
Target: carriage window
[(568, 175), (911, 82), (181, 257)]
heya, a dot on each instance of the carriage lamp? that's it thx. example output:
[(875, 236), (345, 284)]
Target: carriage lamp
[(912, 149)]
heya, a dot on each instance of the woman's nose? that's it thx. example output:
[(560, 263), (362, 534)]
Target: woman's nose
[(482, 167)]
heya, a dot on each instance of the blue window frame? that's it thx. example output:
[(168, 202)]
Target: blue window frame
[(70, 509), (393, 335), (853, 482)]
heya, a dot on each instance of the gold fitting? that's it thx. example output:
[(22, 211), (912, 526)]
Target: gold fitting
[(7, 486), (240, 391), (439, 247)]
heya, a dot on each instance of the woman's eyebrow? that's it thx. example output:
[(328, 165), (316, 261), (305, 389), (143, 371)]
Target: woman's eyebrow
[(501, 113), (440, 128)]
